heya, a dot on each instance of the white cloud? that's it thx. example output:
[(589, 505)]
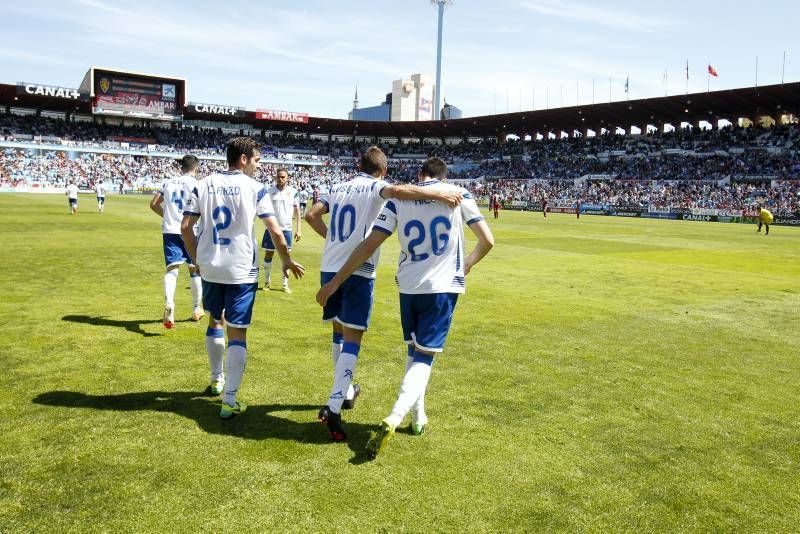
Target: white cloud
[(594, 14)]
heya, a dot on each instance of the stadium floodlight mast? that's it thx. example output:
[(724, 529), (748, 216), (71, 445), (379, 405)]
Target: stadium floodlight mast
[(441, 4)]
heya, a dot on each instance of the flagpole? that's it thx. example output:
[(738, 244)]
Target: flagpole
[(593, 87), (783, 68), (533, 99), (609, 89), (687, 76), (577, 93), (547, 100), (756, 70), (708, 76), (665, 82)]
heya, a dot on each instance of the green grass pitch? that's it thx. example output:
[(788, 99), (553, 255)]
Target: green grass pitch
[(606, 374)]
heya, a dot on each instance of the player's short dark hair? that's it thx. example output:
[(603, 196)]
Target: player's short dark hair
[(374, 161), (281, 169), (239, 146), (434, 168), (189, 163)]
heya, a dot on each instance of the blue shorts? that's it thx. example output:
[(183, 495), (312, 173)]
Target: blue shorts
[(175, 251), (426, 319), (101, 200), (351, 305), (267, 244), (73, 202), (234, 300)]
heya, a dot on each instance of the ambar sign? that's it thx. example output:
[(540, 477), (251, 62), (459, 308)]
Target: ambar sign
[(286, 116), (47, 90)]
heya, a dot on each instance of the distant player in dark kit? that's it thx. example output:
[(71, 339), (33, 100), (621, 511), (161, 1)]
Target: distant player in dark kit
[(578, 209), (544, 206), (494, 204)]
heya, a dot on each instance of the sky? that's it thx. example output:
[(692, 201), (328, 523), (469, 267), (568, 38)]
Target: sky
[(498, 55)]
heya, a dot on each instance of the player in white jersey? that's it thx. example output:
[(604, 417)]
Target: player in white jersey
[(284, 202), (100, 190), (430, 274), (225, 203), (302, 199), (353, 206), (168, 203), (72, 196)]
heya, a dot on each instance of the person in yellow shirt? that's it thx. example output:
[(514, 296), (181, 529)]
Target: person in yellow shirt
[(765, 218)]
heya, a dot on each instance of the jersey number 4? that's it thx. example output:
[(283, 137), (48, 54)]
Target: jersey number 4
[(178, 200), (438, 240), (224, 215)]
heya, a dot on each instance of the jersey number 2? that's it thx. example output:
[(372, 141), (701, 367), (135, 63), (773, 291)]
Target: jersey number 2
[(224, 215)]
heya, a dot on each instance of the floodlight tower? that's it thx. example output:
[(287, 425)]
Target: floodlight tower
[(441, 4)]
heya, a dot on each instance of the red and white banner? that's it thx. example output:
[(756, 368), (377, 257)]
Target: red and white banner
[(286, 116)]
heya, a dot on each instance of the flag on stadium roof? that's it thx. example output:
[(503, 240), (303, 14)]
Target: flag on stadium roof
[(712, 71)]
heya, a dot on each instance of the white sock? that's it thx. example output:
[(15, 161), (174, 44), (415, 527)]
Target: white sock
[(234, 369), (267, 271), (343, 375), (418, 408), (414, 383), (170, 283), (285, 281), (215, 346), (197, 290), (336, 350)]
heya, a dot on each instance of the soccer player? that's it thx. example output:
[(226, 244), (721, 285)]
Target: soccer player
[(578, 209), (302, 197), (225, 203), (544, 205), (495, 204), (100, 189), (430, 275), (764, 218), (353, 206), (175, 191), (285, 204), (72, 195)]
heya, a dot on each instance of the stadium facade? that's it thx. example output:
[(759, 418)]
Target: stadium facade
[(147, 106)]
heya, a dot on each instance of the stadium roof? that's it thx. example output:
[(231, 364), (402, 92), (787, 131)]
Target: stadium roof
[(731, 104)]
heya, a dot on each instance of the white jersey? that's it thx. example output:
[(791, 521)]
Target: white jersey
[(227, 202), (176, 192), (283, 201), (72, 191), (302, 196), (431, 240), (353, 206), (100, 189)]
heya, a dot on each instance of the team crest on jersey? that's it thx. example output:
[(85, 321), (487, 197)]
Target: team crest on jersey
[(104, 85)]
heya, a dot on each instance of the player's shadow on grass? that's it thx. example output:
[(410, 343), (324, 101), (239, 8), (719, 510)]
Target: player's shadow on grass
[(130, 326), (258, 422)]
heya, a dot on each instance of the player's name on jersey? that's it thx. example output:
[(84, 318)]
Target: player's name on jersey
[(222, 190), (350, 188)]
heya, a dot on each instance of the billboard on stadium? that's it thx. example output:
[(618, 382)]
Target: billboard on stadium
[(131, 94), (286, 116)]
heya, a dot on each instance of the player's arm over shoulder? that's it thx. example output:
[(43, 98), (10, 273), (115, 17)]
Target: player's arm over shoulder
[(451, 197)]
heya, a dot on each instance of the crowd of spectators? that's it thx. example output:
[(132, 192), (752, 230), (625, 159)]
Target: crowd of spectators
[(720, 168)]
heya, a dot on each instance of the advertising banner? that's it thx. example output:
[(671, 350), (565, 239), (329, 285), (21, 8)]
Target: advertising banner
[(52, 91), (788, 219), (285, 116), (213, 109)]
